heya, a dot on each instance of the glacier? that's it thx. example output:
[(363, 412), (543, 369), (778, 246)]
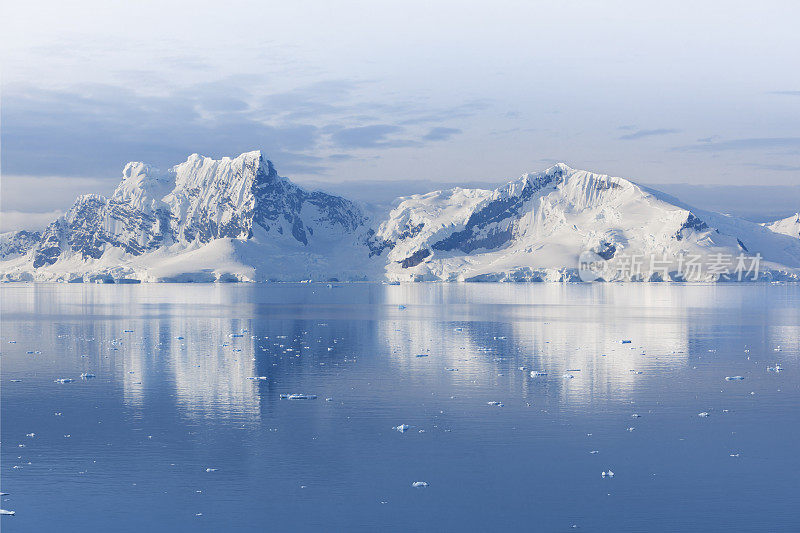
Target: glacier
[(236, 219)]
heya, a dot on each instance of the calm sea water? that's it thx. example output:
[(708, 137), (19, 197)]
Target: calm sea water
[(171, 435)]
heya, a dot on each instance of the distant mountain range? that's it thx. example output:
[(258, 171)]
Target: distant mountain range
[(236, 219)]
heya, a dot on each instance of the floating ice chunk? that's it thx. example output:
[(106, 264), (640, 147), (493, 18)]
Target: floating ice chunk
[(298, 396), (402, 428), (6, 512), (419, 484), (63, 380), (537, 373), (704, 414), (734, 378), (495, 404)]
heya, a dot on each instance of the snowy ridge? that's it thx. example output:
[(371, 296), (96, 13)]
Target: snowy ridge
[(236, 219), (786, 226)]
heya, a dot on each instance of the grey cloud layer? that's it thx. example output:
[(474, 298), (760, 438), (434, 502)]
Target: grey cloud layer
[(93, 130)]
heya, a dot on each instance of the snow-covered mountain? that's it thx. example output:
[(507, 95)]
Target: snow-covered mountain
[(536, 227), (237, 220), (787, 226), (203, 220)]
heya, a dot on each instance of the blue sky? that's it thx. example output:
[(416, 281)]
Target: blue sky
[(448, 91)]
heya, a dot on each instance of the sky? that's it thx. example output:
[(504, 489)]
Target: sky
[(705, 93)]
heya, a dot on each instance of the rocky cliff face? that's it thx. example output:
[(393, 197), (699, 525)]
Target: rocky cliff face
[(237, 219)]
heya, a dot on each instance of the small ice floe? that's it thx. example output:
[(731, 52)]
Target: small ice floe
[(704, 414), (298, 396), (734, 378), (63, 380), (776, 368), (7, 512), (87, 375), (608, 473), (211, 469), (537, 373), (402, 428), (418, 484), (258, 378), (495, 404)]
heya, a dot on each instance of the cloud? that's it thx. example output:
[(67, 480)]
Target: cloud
[(19, 220), (640, 134), (440, 134), (760, 143), (775, 166), (94, 131), (373, 136)]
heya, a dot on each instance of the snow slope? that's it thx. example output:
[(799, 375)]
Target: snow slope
[(236, 219), (787, 226)]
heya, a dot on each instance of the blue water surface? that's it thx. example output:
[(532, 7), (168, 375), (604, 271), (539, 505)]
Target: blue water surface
[(171, 435)]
